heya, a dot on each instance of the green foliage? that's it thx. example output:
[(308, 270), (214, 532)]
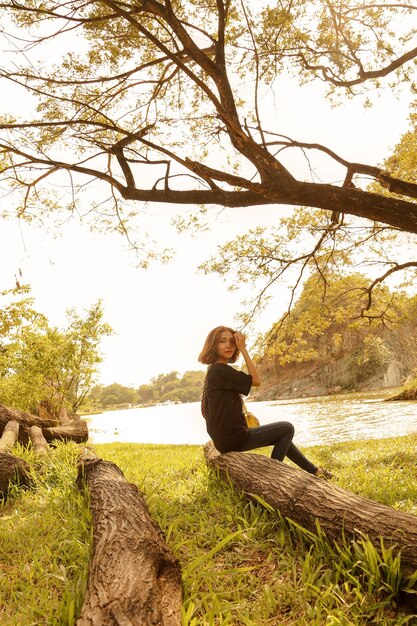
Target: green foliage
[(327, 40), (146, 394), (16, 311), (369, 358), (402, 163), (173, 388), (111, 396), (308, 245), (323, 311), (55, 367), (169, 387), (327, 329)]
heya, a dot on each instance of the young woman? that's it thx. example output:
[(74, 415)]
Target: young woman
[(221, 403)]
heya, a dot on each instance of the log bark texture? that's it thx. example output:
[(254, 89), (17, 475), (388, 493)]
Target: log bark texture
[(305, 499), (12, 469), (76, 430), (24, 419), (40, 445), (134, 579), (9, 436)]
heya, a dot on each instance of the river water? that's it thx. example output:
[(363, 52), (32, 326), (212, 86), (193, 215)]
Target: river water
[(318, 420)]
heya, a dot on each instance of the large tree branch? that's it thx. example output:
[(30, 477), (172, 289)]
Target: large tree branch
[(393, 184), (363, 75), (169, 37), (225, 105), (387, 210), (391, 211)]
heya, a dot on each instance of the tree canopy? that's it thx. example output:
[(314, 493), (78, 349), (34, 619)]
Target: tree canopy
[(162, 101), (167, 102)]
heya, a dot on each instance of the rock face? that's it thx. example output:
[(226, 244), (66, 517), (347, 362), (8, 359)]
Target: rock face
[(323, 377), (341, 358), (392, 377)]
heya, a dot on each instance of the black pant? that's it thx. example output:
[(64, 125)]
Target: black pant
[(279, 435)]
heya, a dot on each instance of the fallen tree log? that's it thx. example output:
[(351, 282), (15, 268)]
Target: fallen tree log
[(305, 499), (12, 470), (24, 419), (9, 436), (39, 443), (134, 579), (75, 430)]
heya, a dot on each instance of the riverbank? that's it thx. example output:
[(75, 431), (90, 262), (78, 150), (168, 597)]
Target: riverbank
[(242, 564), (269, 393)]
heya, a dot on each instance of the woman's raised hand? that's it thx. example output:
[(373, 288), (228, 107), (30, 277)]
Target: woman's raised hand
[(240, 340)]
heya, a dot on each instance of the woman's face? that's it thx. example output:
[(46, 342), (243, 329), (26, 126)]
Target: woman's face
[(226, 346)]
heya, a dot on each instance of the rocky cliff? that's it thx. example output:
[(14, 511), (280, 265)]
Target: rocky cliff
[(338, 367)]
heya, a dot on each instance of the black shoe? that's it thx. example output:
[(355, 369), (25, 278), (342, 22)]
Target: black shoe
[(324, 474)]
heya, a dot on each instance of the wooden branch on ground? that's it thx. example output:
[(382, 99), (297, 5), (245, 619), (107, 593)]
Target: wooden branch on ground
[(12, 470), (305, 499), (134, 579), (25, 419), (9, 436), (40, 445), (75, 430)]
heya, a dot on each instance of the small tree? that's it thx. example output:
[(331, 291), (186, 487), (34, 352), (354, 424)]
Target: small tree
[(57, 368)]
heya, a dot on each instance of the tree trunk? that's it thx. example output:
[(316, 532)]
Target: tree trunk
[(63, 416), (12, 469), (9, 436), (40, 445), (305, 499), (76, 430), (134, 579)]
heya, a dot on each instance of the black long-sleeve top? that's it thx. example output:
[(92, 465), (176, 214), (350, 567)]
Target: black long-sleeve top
[(226, 424)]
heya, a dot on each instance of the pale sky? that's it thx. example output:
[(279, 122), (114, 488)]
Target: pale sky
[(161, 316)]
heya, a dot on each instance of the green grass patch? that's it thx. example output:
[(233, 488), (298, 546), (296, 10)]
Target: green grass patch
[(45, 538), (242, 563)]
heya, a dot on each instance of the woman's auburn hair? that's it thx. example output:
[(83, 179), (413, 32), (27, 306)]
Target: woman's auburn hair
[(208, 355)]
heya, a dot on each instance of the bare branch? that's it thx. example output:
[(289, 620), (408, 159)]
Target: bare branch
[(398, 267)]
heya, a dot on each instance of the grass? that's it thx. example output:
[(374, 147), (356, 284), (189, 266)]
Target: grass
[(45, 539), (242, 563)]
